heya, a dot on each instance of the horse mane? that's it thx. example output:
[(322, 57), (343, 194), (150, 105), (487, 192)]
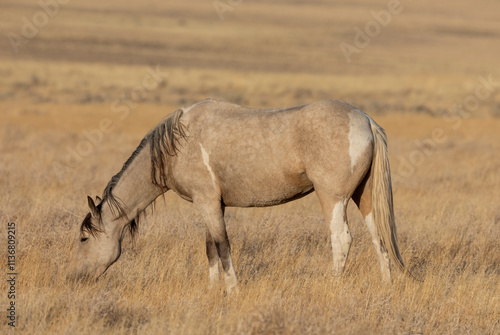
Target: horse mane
[(164, 140), (89, 227)]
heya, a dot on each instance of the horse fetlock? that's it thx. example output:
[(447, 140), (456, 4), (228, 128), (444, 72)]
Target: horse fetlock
[(339, 265), (231, 282), (386, 275), (213, 273), (385, 267), (232, 289)]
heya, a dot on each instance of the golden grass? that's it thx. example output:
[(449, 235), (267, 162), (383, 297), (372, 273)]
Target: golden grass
[(65, 80), (447, 223)]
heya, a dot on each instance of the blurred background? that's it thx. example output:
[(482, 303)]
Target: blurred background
[(410, 55), (104, 71)]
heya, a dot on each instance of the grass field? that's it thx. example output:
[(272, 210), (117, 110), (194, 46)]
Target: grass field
[(79, 95)]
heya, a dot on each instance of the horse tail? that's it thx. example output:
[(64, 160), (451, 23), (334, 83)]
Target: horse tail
[(382, 202)]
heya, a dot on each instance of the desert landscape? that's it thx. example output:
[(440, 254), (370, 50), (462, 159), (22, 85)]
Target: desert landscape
[(81, 83)]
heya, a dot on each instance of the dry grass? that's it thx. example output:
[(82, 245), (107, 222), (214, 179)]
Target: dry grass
[(448, 229), (65, 80)]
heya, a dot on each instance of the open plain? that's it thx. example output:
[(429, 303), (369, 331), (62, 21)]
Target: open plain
[(79, 90)]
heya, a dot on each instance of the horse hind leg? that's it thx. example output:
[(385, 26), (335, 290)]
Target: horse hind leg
[(334, 210), (381, 251), (363, 199)]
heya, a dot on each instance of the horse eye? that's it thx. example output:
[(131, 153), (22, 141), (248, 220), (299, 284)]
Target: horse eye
[(84, 239)]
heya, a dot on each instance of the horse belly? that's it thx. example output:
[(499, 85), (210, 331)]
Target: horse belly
[(264, 189)]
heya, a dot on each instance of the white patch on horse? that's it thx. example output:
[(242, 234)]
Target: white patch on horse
[(341, 236), (359, 136), (206, 161), (213, 272)]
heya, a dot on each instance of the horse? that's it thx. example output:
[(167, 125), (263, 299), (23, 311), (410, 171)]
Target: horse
[(217, 154)]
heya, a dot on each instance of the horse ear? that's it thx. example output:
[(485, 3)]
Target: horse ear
[(98, 199), (93, 209)]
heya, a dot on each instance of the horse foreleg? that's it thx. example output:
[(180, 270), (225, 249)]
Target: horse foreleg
[(213, 260), (216, 228)]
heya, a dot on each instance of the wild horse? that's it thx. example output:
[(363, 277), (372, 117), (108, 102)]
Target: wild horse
[(219, 154)]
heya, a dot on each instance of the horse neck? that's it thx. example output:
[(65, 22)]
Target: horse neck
[(135, 190)]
